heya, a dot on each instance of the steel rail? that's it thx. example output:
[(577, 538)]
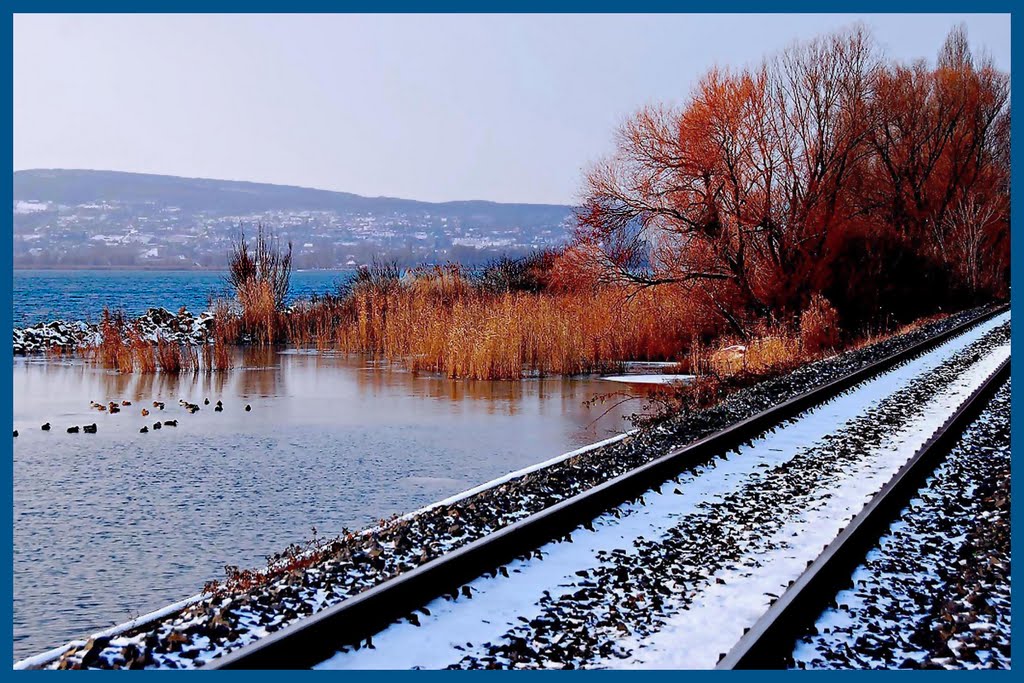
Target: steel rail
[(770, 641), (315, 638)]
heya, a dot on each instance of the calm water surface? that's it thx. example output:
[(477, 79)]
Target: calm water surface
[(118, 523)]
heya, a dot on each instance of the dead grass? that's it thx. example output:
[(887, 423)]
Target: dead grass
[(435, 321), (122, 347), (731, 366), (169, 356), (442, 320), (144, 356), (819, 326), (111, 349), (260, 317)]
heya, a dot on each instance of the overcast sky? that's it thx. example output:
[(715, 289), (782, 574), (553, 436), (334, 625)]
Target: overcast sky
[(509, 108)]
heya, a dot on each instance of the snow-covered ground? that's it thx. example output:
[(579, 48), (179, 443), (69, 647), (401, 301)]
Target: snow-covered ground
[(673, 580), (650, 379)]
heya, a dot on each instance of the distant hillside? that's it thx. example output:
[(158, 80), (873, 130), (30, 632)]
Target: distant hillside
[(77, 218), (72, 187)]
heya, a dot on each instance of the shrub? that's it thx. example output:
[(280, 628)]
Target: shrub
[(819, 326), (528, 274), (261, 278)]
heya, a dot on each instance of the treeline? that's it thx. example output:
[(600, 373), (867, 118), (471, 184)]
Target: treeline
[(825, 171)]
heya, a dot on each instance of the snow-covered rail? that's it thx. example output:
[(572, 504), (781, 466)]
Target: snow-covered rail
[(769, 643), (705, 552)]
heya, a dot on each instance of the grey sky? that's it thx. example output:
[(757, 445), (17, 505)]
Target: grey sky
[(435, 107)]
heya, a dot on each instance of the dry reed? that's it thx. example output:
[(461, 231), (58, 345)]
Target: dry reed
[(168, 355), (436, 321)]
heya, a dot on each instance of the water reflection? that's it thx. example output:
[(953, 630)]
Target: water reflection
[(124, 522)]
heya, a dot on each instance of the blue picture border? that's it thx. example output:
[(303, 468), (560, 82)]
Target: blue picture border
[(498, 6)]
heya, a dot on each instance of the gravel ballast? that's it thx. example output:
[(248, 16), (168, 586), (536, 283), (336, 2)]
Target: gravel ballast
[(935, 591)]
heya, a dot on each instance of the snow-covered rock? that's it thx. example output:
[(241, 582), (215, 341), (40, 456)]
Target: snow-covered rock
[(156, 323)]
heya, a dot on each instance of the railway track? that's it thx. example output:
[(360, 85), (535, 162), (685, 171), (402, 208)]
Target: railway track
[(354, 622), (769, 643)]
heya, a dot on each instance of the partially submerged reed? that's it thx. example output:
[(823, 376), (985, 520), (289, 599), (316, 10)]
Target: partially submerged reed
[(436, 321), (122, 346), (169, 355), (502, 325)]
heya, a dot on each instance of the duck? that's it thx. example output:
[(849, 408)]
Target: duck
[(206, 401), (248, 407), (170, 423), (156, 425), (15, 433), (126, 403), (218, 408), (158, 404), (46, 427), (114, 408), (89, 429), (100, 407), (144, 430), (73, 430), (145, 412)]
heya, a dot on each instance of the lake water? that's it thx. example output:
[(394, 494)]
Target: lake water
[(118, 523), (44, 295)]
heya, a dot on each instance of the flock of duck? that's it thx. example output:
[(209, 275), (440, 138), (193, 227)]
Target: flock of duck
[(113, 407)]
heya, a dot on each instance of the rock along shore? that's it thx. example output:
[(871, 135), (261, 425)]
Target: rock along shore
[(157, 323)]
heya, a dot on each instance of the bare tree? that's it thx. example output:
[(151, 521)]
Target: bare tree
[(967, 224)]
